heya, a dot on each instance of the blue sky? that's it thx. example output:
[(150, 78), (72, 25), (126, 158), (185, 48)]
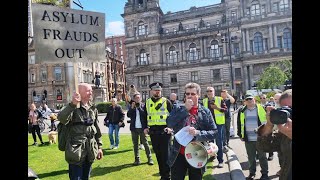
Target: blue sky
[(113, 9)]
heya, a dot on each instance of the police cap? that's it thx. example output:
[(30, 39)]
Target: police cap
[(156, 86)]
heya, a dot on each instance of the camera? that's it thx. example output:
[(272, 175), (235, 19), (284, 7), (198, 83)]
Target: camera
[(87, 121), (280, 115)]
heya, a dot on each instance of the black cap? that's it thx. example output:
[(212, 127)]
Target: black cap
[(156, 86)]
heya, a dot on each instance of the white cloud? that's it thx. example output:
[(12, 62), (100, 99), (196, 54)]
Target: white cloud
[(114, 28)]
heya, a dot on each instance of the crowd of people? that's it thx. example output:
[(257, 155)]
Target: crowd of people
[(208, 119)]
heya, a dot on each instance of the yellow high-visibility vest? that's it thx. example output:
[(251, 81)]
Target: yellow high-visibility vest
[(157, 117), (261, 114), (219, 116)]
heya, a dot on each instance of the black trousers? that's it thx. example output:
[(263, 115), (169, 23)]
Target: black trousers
[(36, 128), (181, 166), (160, 145)]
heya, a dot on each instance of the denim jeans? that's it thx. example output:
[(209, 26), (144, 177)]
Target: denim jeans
[(219, 142), (77, 172), (115, 128)]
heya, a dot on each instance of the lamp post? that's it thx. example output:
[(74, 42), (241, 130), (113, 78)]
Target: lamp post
[(114, 69), (228, 41)]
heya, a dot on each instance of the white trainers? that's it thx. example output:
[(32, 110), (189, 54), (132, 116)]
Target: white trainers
[(116, 147), (111, 146), (141, 146)]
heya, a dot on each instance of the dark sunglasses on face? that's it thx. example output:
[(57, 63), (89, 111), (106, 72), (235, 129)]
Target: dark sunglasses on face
[(209, 90), (192, 94), (248, 99)]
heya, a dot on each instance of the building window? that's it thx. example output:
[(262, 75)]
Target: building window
[(59, 94), (143, 81), (258, 44), (284, 5), (43, 74), (58, 73), (173, 78), (172, 55), (141, 28), (287, 39), (233, 15), (216, 75), (33, 78), (255, 10), (143, 59), (174, 91), (237, 73), (32, 59), (214, 50), (120, 44), (193, 54), (275, 7), (279, 40), (248, 12), (236, 49), (263, 9), (194, 76), (217, 89)]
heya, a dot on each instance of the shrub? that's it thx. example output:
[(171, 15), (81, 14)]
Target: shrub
[(103, 106)]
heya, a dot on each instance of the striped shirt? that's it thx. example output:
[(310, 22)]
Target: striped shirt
[(251, 123)]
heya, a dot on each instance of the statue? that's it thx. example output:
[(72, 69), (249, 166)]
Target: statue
[(97, 79), (201, 24), (180, 27)]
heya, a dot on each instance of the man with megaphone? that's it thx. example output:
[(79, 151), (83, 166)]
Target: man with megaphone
[(202, 128)]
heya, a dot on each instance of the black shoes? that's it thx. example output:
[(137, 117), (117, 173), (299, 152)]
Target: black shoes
[(250, 177), (264, 177), (137, 162)]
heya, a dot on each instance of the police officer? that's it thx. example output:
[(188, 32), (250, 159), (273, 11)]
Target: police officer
[(158, 109)]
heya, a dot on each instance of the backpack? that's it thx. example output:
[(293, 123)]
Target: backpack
[(63, 134)]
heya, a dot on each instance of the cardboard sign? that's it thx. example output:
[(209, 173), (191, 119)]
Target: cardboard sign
[(67, 35)]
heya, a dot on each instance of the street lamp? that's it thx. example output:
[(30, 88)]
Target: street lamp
[(229, 41)]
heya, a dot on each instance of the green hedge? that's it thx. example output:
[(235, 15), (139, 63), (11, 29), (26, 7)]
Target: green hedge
[(103, 106)]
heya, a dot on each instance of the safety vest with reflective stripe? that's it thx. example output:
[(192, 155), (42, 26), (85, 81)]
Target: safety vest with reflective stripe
[(261, 115), (219, 116), (157, 117)]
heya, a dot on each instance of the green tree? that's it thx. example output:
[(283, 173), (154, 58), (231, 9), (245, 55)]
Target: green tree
[(285, 66), (271, 77)]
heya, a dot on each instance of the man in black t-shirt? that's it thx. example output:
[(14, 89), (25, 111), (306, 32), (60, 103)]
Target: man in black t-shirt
[(228, 100)]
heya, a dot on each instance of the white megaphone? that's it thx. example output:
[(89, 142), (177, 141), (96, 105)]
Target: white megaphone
[(197, 153)]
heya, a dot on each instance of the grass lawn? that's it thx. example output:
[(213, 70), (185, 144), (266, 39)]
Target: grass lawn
[(49, 163)]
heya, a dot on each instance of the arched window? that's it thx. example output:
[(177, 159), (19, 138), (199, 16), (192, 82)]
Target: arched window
[(193, 55), (287, 39), (258, 46), (143, 57), (214, 49), (141, 28), (172, 55), (34, 93)]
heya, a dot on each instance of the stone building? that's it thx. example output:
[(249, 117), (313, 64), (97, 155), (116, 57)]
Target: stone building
[(205, 44)]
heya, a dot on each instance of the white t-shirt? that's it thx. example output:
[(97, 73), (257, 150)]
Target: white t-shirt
[(138, 121)]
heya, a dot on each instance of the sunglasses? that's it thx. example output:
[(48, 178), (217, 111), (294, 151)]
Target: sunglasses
[(209, 90), (192, 94), (249, 99)]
